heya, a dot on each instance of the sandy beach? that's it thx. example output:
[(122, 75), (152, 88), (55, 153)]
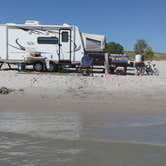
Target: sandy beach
[(43, 90), (68, 119)]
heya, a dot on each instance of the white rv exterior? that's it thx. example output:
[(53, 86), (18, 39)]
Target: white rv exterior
[(31, 42)]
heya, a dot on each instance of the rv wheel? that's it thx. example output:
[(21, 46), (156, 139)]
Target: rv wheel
[(38, 66)]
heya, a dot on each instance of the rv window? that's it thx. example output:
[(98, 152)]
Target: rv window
[(47, 40), (92, 44), (65, 36)]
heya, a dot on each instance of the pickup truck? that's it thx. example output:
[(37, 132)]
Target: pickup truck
[(119, 63)]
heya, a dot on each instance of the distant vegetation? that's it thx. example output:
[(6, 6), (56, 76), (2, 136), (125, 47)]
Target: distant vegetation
[(157, 56), (114, 48), (140, 47)]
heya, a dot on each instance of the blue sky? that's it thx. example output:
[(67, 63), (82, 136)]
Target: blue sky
[(122, 21)]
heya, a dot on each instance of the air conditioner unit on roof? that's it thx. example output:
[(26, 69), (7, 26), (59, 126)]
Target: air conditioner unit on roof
[(32, 22)]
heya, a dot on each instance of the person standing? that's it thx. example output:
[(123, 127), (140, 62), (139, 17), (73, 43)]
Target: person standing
[(139, 64)]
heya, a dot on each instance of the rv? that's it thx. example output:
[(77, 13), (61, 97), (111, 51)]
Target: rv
[(46, 46)]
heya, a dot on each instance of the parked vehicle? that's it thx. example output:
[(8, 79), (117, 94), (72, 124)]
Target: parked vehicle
[(46, 46), (119, 63)]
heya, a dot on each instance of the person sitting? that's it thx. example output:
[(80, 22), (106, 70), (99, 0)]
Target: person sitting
[(86, 63)]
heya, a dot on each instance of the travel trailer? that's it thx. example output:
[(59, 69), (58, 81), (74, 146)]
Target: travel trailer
[(46, 46)]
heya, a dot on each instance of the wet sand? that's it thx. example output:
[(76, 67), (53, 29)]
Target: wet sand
[(74, 138), (74, 120)]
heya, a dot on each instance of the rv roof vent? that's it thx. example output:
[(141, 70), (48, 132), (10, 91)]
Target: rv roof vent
[(32, 22), (66, 25)]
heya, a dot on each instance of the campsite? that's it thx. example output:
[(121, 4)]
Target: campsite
[(53, 48), (82, 83)]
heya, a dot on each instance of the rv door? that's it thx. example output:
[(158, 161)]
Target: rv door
[(65, 44)]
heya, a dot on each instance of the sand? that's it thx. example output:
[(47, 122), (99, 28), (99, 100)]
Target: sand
[(48, 91), (68, 119)]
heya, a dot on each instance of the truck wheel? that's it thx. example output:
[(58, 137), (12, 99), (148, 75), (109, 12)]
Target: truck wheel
[(38, 66), (53, 67)]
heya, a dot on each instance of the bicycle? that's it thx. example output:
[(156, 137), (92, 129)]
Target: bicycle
[(151, 69), (140, 69)]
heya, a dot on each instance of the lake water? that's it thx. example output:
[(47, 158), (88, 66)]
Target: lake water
[(84, 138)]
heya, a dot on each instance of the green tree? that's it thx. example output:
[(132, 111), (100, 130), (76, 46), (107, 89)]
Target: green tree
[(140, 47), (149, 54), (114, 48)]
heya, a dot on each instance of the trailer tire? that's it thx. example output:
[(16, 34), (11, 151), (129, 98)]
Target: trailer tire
[(53, 67), (38, 66)]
